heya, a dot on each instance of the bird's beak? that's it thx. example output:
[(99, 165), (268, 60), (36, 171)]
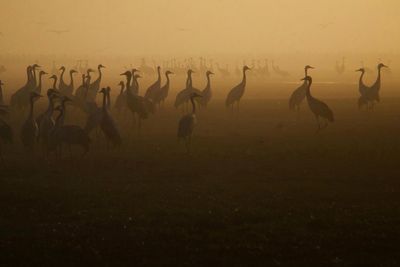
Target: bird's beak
[(303, 79), (385, 66)]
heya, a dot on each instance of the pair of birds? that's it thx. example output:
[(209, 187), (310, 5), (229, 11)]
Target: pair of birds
[(52, 134), (369, 94), (320, 110)]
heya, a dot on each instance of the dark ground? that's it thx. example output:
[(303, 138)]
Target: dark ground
[(258, 190)]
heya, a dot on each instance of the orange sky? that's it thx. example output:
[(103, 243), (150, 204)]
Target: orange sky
[(207, 26)]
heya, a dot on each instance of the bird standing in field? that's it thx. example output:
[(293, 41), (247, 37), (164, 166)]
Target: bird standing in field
[(187, 123), (299, 94), (372, 92), (317, 107), (30, 130), (362, 89), (107, 123), (237, 92), (207, 93), (6, 133)]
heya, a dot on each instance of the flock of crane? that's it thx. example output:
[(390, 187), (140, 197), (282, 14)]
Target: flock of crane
[(49, 131)]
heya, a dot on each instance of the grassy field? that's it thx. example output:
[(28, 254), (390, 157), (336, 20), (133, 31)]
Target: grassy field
[(259, 189)]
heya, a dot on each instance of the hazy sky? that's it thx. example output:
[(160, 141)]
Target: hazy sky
[(206, 26)]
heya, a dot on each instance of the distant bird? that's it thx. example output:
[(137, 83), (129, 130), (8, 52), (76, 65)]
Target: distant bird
[(299, 94), (95, 86), (6, 133), (154, 89), (135, 103), (38, 88), (1, 93), (279, 72), (363, 90), (237, 92), (340, 67), (107, 124), (54, 78), (66, 89), (184, 95), (120, 102), (317, 107), (207, 92), (30, 130), (21, 98), (45, 120), (67, 134), (187, 123), (373, 91), (163, 94)]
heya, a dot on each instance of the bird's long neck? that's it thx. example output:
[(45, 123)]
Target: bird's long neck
[(193, 105), (28, 76), (39, 88), (62, 75), (34, 76), (308, 92), (208, 86), (55, 83), (378, 79), (305, 72), (244, 77), (71, 75), (167, 76), (159, 75), (100, 74), (122, 88), (189, 81), (361, 77)]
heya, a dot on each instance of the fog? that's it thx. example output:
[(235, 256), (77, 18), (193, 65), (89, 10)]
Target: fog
[(177, 27)]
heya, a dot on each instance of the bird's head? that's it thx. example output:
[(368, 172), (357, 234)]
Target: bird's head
[(100, 66), (190, 71), (360, 70), (381, 65), (102, 91), (35, 66), (121, 83), (134, 70), (246, 68), (209, 73), (62, 68), (308, 67), (158, 68), (73, 71), (42, 72), (127, 74), (89, 71), (168, 72)]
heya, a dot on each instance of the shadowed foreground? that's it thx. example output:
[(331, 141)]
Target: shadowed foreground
[(256, 191)]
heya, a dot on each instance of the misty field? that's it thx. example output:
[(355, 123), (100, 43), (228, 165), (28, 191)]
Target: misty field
[(259, 188)]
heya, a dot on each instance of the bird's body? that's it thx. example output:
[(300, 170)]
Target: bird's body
[(317, 107), (154, 89), (236, 93), (299, 94)]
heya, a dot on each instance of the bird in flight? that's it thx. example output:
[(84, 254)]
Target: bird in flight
[(58, 32)]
